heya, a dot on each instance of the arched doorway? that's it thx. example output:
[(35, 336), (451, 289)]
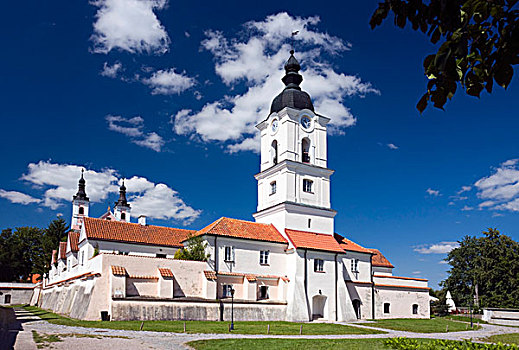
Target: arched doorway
[(318, 303), (356, 307)]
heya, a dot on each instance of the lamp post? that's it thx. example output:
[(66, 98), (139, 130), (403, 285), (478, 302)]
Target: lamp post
[(232, 308)]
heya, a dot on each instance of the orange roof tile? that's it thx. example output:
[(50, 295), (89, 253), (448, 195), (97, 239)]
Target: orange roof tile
[(346, 244), (380, 260), (119, 271), (74, 238), (54, 256), (165, 272), (62, 250), (312, 240), (243, 229), (108, 230), (210, 275)]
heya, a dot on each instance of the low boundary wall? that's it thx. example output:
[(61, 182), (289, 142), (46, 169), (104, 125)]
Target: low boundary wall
[(508, 317)]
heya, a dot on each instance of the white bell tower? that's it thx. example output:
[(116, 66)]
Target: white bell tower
[(80, 205), (294, 182)]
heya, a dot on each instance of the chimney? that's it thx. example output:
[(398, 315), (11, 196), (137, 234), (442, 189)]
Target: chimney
[(142, 220)]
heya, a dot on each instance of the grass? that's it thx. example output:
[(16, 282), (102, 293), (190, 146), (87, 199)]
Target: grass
[(245, 327), (42, 340), (433, 325), (510, 338), (465, 319), (288, 344)]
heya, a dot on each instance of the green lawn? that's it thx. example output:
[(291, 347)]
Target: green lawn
[(289, 344), (511, 338), (349, 344), (465, 319), (276, 328), (433, 325)]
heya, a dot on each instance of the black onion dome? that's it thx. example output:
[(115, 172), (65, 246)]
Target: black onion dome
[(292, 96), (81, 192), (122, 202)]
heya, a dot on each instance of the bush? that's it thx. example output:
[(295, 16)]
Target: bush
[(438, 344)]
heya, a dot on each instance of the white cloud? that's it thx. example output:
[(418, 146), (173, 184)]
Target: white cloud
[(158, 201), (18, 197), (392, 146), (464, 189), (432, 192), (256, 60), (467, 208), (129, 25), (169, 82), (437, 248), (500, 190), (59, 182), (442, 262), (111, 71), (132, 127)]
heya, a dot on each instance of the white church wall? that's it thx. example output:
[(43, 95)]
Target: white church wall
[(132, 249), (363, 272), (401, 301)]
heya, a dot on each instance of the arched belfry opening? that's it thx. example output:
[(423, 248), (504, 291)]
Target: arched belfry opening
[(305, 150), (274, 152)]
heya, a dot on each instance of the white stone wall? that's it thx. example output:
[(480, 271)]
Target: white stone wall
[(401, 302)]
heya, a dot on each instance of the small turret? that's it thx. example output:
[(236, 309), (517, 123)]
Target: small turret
[(80, 204), (122, 208)]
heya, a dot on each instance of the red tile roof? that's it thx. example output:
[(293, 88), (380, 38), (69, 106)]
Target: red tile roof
[(251, 277), (108, 230), (62, 250), (380, 260), (243, 229), (119, 271), (54, 256), (210, 275), (165, 272), (312, 240), (74, 238), (346, 244)]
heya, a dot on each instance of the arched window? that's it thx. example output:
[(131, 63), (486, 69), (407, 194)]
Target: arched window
[(81, 211), (274, 152), (305, 149), (415, 309), (123, 216)]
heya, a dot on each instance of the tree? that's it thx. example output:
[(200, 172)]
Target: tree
[(56, 232), (194, 250), (486, 266), (480, 43), (439, 307)]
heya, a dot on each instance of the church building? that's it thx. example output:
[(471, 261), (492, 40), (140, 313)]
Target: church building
[(288, 264)]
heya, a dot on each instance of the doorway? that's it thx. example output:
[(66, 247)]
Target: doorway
[(356, 307)]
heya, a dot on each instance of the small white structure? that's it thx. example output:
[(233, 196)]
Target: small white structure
[(450, 302), (288, 265)]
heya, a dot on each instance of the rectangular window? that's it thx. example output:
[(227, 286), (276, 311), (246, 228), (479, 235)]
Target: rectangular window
[(386, 308), (163, 256), (354, 265), (264, 257), (318, 265), (307, 185), (229, 254), (263, 292), (273, 187), (226, 291), (7, 299)]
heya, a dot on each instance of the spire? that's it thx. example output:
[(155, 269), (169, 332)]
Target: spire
[(292, 96), (81, 194), (292, 78), (122, 202)]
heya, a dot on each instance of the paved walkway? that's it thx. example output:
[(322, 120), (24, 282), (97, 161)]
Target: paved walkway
[(99, 339)]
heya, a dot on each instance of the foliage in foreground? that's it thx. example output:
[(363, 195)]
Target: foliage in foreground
[(480, 43), (438, 344), (194, 250), (487, 266)]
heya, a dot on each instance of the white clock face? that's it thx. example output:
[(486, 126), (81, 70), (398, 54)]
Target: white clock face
[(306, 122), (275, 125)]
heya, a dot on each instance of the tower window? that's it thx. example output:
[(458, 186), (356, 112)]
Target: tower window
[(123, 216), (81, 211), (273, 187), (305, 149), (274, 151), (307, 185)]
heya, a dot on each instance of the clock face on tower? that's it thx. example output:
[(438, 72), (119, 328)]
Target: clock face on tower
[(275, 125), (306, 122)]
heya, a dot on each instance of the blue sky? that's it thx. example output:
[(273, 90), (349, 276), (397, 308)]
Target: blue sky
[(167, 94)]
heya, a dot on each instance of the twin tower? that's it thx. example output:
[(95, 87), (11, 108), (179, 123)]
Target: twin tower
[(294, 182)]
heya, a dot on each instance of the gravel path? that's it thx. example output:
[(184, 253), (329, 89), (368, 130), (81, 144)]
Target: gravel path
[(99, 339)]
